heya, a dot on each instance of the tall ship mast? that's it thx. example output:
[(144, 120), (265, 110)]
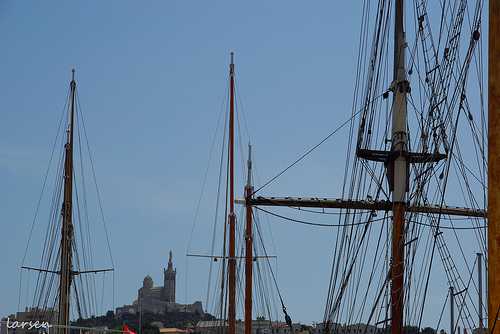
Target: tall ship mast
[(398, 185), (66, 274), (414, 200), (62, 279), (232, 215), (494, 167), (240, 252)]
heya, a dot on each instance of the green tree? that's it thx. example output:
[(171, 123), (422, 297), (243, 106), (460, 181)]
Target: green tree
[(147, 328), (428, 330), (181, 320), (410, 330)]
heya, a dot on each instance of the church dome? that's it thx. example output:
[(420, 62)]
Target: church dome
[(147, 283)]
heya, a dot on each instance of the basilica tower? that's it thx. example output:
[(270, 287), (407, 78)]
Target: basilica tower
[(169, 282)]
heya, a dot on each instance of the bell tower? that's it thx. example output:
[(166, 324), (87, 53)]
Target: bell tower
[(169, 281)]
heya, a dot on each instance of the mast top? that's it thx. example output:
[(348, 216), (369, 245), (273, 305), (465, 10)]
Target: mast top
[(231, 67), (73, 83), (249, 179)]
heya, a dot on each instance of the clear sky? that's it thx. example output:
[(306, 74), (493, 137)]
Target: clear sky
[(151, 78)]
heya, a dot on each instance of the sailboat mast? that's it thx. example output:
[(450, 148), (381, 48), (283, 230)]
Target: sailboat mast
[(67, 224), (248, 244), (494, 168), (400, 171), (232, 216)]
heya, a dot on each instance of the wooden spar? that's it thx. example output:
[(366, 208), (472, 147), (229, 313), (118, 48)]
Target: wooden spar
[(397, 292), (400, 165), (232, 217), (67, 225), (248, 254), (360, 205), (494, 168), (215, 257)]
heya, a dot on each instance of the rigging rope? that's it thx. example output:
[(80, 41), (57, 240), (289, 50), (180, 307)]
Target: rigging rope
[(45, 294), (311, 223), (308, 152)]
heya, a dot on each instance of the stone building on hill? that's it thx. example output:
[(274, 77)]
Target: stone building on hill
[(159, 299)]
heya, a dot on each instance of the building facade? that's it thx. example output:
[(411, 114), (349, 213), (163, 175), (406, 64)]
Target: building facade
[(159, 299), (169, 281), (166, 293)]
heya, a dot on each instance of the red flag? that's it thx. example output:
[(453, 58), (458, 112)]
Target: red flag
[(125, 329)]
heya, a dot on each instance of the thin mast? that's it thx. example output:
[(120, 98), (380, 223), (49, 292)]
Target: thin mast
[(67, 224), (493, 168), (400, 168), (232, 217), (480, 291), (249, 244), (452, 310)]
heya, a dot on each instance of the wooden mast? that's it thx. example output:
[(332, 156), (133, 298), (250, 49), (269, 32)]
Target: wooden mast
[(494, 168), (248, 244), (66, 274), (400, 169), (398, 160), (232, 216)]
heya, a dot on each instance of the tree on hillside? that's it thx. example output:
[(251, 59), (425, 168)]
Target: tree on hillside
[(181, 320), (428, 330), (410, 330), (147, 328)]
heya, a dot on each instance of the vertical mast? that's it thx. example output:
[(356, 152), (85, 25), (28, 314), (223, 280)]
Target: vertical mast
[(232, 217), (67, 224), (494, 168), (400, 169), (480, 291), (452, 310), (249, 244)]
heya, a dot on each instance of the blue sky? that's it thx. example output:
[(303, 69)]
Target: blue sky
[(151, 77)]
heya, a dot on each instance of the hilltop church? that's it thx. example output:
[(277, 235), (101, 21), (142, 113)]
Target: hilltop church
[(159, 299)]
